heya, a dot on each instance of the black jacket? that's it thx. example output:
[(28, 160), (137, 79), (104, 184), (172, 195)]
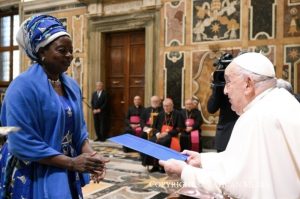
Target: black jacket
[(100, 102), (193, 114), (173, 119), (147, 113), (227, 118)]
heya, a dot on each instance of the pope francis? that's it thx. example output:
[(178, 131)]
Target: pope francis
[(262, 159)]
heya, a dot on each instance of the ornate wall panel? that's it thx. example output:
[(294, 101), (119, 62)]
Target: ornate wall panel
[(174, 23), (291, 69), (174, 64), (215, 20), (292, 18), (262, 19)]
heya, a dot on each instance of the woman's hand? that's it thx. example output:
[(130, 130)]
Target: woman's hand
[(88, 162), (97, 176)]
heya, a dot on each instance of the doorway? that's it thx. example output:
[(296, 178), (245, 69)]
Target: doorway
[(125, 74)]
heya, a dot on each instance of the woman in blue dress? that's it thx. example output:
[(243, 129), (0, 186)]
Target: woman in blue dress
[(50, 157)]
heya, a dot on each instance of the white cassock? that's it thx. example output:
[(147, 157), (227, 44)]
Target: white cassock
[(262, 159)]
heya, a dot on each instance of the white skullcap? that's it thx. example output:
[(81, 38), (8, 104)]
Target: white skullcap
[(256, 63)]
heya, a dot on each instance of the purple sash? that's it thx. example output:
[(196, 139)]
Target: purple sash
[(195, 140), (134, 119), (189, 122)]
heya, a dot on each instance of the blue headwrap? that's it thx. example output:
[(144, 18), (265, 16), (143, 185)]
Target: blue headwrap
[(38, 31)]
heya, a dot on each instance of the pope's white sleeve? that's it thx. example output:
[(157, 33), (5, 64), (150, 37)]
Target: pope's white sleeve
[(199, 178), (210, 160)]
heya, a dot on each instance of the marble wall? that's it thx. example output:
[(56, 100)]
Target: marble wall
[(212, 27)]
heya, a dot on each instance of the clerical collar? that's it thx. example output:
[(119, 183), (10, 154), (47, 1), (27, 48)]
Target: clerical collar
[(257, 98), (168, 113)]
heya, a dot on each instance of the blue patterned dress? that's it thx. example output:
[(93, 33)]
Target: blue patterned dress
[(17, 175)]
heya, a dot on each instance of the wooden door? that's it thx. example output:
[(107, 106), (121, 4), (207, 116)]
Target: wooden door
[(125, 66)]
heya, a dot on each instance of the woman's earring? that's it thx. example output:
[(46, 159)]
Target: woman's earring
[(43, 58)]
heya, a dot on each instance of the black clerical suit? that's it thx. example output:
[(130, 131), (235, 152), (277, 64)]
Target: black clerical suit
[(145, 122), (227, 118), (185, 137), (132, 111), (173, 119), (99, 101)]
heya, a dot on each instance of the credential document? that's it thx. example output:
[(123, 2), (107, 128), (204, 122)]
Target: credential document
[(149, 148)]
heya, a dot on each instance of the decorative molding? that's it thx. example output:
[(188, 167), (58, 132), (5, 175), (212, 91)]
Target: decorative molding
[(121, 22), (293, 2), (49, 5), (125, 7), (7, 4), (78, 24), (103, 8)]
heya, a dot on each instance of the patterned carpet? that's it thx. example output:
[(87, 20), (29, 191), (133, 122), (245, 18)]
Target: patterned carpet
[(126, 178)]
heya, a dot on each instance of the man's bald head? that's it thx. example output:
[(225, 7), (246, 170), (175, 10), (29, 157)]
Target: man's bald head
[(155, 101), (188, 104), (168, 105)]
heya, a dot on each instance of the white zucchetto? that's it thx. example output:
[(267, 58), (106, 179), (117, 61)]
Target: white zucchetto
[(256, 63)]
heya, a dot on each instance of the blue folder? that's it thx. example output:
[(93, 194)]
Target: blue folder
[(150, 148)]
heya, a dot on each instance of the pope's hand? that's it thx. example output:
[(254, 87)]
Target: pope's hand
[(172, 166), (194, 158)]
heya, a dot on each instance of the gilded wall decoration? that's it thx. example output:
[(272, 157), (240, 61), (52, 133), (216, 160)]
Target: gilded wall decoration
[(291, 69), (77, 68), (174, 23), (174, 65), (292, 18), (215, 20), (77, 24), (202, 70), (262, 19)]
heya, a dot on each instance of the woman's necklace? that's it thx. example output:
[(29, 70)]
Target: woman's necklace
[(56, 83)]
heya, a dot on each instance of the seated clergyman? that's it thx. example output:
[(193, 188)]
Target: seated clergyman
[(149, 115), (132, 120), (148, 118), (190, 137), (167, 126)]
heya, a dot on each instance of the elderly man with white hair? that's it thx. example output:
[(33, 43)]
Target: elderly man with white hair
[(262, 159)]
